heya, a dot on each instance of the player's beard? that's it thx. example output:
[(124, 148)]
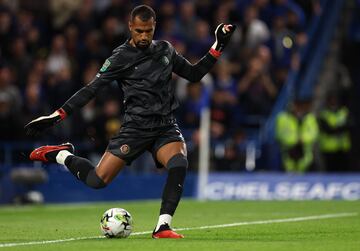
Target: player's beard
[(143, 44)]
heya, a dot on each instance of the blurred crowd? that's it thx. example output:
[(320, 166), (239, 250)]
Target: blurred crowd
[(50, 49)]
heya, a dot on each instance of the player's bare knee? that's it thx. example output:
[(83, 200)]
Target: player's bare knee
[(94, 181)]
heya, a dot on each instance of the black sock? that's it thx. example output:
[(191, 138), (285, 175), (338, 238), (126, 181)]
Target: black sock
[(174, 184), (84, 170), (79, 167)]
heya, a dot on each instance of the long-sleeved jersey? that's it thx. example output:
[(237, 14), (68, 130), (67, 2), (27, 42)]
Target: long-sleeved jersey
[(144, 76)]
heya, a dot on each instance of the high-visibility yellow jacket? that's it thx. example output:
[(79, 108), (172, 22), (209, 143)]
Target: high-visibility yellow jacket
[(336, 141), (290, 131)]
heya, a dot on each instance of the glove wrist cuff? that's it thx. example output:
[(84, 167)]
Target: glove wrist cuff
[(62, 113), (215, 53)]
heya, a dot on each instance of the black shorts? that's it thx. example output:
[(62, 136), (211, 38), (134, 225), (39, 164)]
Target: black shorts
[(129, 143)]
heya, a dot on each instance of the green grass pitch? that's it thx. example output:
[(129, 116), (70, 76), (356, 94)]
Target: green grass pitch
[(262, 225)]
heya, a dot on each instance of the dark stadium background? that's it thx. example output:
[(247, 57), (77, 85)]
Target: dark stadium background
[(49, 49)]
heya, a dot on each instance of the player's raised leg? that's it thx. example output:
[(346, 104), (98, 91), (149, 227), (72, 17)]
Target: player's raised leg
[(108, 167), (173, 157)]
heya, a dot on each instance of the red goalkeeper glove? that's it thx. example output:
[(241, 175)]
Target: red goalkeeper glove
[(223, 34), (37, 126)]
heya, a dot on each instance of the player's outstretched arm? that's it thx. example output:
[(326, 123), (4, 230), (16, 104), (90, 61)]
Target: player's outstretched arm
[(107, 74), (78, 100), (195, 72)]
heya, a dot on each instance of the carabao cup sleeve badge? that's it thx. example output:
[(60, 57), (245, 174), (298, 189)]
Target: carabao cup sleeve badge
[(106, 64)]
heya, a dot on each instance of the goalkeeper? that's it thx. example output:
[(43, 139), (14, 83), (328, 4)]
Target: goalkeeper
[(143, 68)]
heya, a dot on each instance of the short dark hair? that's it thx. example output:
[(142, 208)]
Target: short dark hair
[(144, 12)]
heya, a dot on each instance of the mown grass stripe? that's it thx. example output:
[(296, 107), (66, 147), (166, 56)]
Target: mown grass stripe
[(272, 221)]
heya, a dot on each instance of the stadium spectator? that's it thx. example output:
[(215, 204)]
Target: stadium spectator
[(73, 44), (34, 101), (82, 123), (113, 33), (8, 31), (230, 155), (256, 89), (186, 21), (118, 9), (167, 10), (223, 11), (254, 31), (201, 40), (334, 141), (58, 57), (264, 10), (84, 17), (297, 131), (19, 61), (191, 107), (105, 125), (10, 105), (9, 89), (281, 43), (34, 45), (26, 22), (92, 50), (226, 157), (10, 121), (62, 11)]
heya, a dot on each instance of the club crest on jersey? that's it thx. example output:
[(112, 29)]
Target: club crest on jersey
[(105, 65), (125, 149), (164, 61)]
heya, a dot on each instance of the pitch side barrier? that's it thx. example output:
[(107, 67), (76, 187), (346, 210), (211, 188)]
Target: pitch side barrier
[(237, 186), (62, 188)]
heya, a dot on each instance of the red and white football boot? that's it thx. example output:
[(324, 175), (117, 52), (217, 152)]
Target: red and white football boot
[(166, 232), (48, 153)]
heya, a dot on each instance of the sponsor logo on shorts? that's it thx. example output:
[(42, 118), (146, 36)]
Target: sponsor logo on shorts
[(125, 149)]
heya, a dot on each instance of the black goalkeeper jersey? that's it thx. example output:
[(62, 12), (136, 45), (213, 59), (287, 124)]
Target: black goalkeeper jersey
[(144, 76)]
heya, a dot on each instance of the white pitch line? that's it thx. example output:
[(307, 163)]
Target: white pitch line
[(305, 218), (296, 219)]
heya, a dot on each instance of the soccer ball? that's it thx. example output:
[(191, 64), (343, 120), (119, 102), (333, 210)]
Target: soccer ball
[(116, 223)]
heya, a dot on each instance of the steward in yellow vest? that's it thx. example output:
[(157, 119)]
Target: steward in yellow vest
[(297, 131), (334, 141)]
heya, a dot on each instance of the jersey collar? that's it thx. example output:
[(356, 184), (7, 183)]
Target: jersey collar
[(146, 51)]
